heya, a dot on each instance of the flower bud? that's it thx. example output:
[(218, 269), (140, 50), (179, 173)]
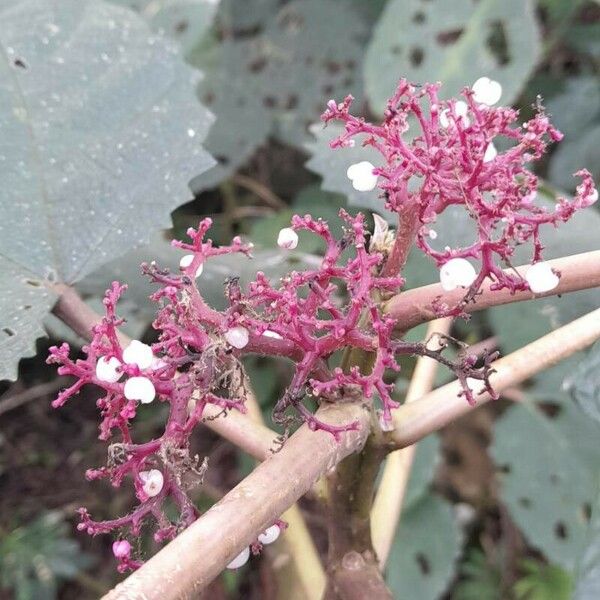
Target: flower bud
[(362, 177), (152, 482), (487, 91), (108, 370), (121, 549), (186, 261), (541, 278), (240, 560), (287, 238), (139, 388), (138, 354), (457, 272), (269, 535), (237, 337)]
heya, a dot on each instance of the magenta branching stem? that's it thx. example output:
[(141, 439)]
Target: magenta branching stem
[(311, 316)]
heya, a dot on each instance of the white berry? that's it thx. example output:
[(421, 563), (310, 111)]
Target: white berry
[(287, 238), (269, 535), (237, 337), (272, 334), (541, 278), (108, 370), (457, 272), (138, 354), (187, 260), (240, 560), (139, 388), (362, 177), (152, 482), (490, 153), (487, 91)]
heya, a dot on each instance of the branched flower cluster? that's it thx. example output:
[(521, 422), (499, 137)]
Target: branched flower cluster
[(314, 317), (450, 160)]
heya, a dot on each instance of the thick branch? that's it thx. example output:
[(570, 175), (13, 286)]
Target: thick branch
[(187, 565), (410, 308), (387, 506), (438, 408)]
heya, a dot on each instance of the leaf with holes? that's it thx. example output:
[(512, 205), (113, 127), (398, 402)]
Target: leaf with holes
[(587, 581), (273, 76), (454, 42), (548, 473), (100, 132), (423, 557), (186, 21)]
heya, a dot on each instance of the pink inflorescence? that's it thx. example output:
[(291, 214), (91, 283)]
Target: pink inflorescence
[(451, 160), (310, 316)]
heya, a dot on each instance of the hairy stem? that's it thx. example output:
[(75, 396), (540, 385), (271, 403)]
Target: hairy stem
[(387, 507)]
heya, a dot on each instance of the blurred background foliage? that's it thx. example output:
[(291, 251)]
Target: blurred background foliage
[(110, 113)]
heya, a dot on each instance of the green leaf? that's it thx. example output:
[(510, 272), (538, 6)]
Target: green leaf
[(423, 556), (100, 133), (576, 112), (454, 42), (479, 579), (423, 470), (587, 582), (584, 383), (543, 582), (273, 72), (185, 21), (33, 558), (548, 473)]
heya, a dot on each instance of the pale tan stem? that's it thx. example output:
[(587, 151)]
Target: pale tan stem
[(438, 408), (184, 567), (387, 507), (410, 308), (302, 570)]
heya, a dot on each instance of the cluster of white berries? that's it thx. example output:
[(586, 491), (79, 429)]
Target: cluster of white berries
[(268, 536), (485, 91), (362, 177), (138, 387), (457, 272), (152, 482)]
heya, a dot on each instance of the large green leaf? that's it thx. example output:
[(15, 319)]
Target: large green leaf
[(424, 552), (273, 75), (576, 112), (452, 41), (184, 20), (100, 132), (548, 474), (584, 383), (587, 585), (423, 557)]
